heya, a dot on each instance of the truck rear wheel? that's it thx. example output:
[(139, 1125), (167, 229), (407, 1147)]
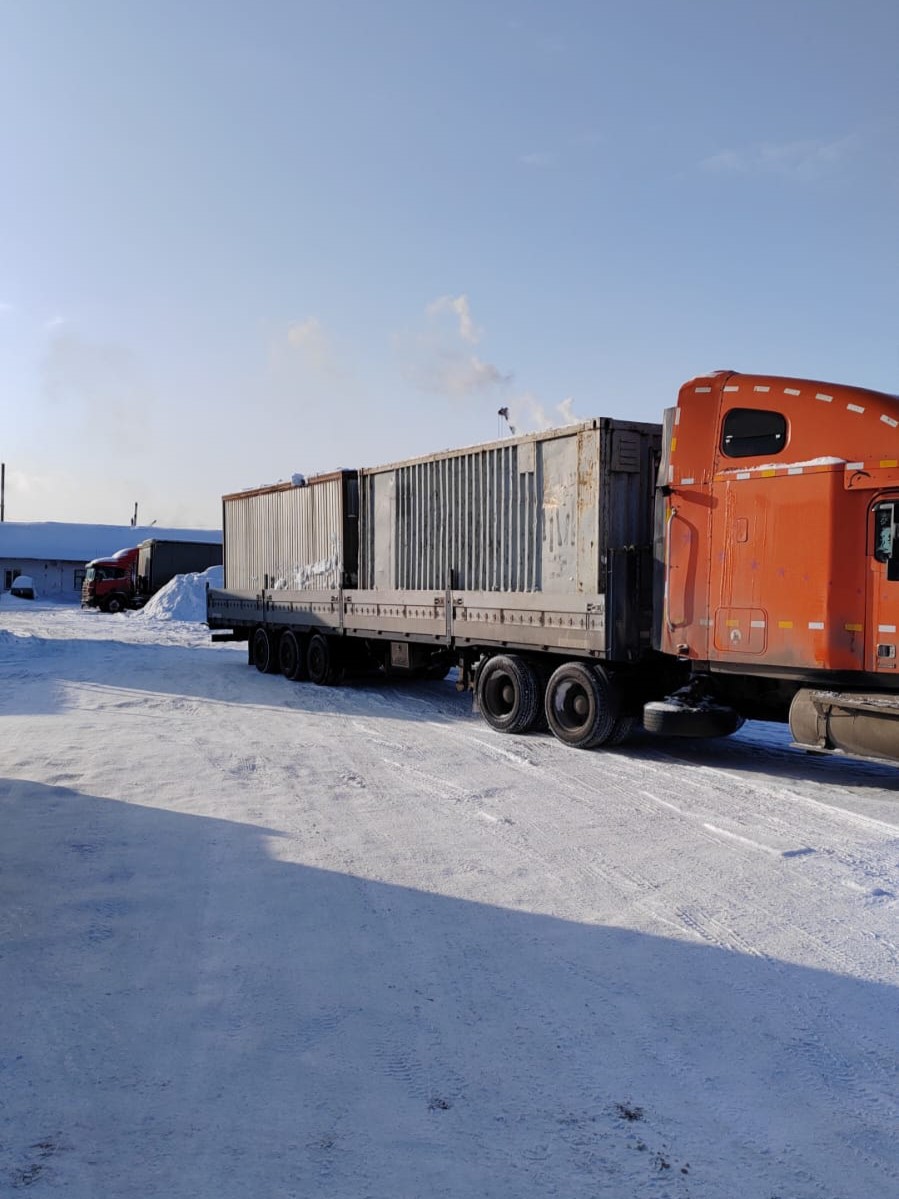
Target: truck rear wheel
[(292, 656), (321, 662), (508, 692), (582, 707), (265, 657)]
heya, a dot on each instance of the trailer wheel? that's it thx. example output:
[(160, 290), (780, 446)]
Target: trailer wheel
[(292, 656), (508, 694), (581, 705), (321, 661), (265, 657), (624, 726)]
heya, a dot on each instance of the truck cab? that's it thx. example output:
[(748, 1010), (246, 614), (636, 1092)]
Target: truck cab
[(781, 551), (109, 582)]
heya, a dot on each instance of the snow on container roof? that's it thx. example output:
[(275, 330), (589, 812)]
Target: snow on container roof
[(81, 543)]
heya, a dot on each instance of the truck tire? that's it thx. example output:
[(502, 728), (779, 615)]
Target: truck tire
[(115, 604), (582, 707), (508, 693), (321, 661), (672, 720), (624, 726), (265, 656), (292, 656)]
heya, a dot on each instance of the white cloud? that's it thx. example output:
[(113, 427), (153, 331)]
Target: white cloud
[(458, 305), (456, 375), (309, 345), (310, 339), (803, 160), (528, 415), (539, 161), (438, 359)]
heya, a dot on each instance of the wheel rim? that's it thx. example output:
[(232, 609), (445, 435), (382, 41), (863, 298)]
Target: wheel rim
[(572, 705), (318, 660), (501, 694), (288, 655), (261, 649)]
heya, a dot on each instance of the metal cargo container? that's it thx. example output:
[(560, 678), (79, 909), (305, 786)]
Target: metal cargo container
[(293, 536), (158, 561), (545, 512)]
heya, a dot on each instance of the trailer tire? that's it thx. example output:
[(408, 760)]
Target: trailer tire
[(624, 726), (668, 720), (265, 651), (292, 656), (508, 692), (582, 706), (321, 662)]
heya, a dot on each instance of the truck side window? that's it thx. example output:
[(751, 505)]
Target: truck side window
[(883, 532), (753, 432), (886, 542)]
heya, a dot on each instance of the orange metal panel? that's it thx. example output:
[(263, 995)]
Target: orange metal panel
[(771, 554)]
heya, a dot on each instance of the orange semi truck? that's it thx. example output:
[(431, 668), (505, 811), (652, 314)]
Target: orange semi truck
[(738, 561), (781, 553)]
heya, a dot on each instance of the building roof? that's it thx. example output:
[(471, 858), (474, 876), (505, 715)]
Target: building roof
[(57, 541)]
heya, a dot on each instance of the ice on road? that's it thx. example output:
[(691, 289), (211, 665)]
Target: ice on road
[(266, 939)]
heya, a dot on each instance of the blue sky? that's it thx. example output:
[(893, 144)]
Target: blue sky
[(239, 241)]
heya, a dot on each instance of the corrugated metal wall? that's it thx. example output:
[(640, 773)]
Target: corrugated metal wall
[(286, 537), (474, 515), (528, 514)]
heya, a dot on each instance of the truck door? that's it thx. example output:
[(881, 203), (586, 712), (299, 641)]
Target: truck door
[(882, 638)]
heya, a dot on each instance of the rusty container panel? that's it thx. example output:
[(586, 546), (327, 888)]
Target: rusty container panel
[(527, 514), (289, 537)]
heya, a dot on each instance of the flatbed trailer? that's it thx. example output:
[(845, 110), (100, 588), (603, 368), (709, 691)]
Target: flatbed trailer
[(739, 560)]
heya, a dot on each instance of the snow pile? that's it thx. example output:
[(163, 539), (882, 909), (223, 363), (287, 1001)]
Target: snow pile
[(184, 597)]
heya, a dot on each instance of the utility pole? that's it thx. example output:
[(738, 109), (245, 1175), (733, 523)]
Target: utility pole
[(134, 517), (2, 491)]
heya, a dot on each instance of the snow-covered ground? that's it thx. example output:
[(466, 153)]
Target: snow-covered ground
[(262, 939)]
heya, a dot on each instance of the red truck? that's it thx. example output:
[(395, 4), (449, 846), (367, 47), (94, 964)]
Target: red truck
[(131, 576)]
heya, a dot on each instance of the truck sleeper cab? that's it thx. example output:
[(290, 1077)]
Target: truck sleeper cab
[(781, 575)]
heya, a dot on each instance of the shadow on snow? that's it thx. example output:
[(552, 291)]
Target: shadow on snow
[(186, 1015)]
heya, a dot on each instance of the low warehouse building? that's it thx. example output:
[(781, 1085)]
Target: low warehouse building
[(54, 554)]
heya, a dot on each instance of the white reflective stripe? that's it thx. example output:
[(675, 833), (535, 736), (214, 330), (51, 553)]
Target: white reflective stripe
[(791, 391), (703, 390), (705, 623), (731, 388), (886, 628), (794, 470), (854, 408), (687, 482), (758, 624), (677, 416), (855, 466), (816, 624), (820, 395), (744, 474), (759, 387), (888, 420), (670, 474)]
